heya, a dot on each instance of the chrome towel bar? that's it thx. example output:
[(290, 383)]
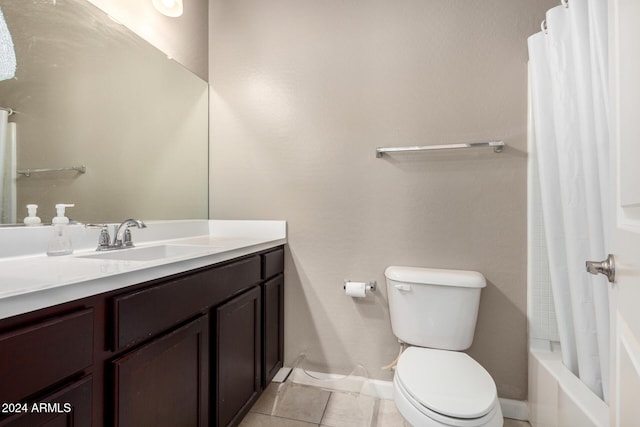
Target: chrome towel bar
[(28, 172), (498, 146)]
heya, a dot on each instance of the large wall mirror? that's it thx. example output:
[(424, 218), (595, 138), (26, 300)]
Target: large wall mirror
[(89, 92)]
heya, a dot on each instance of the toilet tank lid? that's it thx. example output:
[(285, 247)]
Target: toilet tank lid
[(436, 276)]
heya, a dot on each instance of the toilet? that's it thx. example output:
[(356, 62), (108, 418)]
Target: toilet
[(435, 384)]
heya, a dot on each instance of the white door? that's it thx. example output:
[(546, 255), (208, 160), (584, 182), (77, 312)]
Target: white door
[(624, 25)]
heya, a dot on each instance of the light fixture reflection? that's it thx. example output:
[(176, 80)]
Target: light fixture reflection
[(7, 52), (172, 8)]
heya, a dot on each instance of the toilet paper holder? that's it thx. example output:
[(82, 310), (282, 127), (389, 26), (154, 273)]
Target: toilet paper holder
[(371, 286)]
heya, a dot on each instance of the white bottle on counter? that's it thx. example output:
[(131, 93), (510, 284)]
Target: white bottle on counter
[(32, 219), (60, 243)]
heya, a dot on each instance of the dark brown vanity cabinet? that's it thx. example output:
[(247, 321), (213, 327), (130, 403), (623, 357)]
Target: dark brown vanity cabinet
[(195, 349)]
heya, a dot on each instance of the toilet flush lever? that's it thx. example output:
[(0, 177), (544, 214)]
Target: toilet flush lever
[(405, 288), (606, 267)]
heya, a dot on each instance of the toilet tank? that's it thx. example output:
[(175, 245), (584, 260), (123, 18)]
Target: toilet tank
[(432, 307)]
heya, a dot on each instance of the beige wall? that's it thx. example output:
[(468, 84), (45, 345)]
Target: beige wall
[(303, 92)]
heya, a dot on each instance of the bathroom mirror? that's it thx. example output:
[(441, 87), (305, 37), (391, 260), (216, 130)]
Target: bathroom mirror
[(89, 92)]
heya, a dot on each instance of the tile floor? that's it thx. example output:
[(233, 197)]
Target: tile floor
[(295, 405)]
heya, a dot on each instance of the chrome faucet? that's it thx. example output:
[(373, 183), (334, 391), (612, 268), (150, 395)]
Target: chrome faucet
[(122, 235), (122, 239)]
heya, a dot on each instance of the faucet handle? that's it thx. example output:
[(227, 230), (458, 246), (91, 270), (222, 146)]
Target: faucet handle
[(104, 240), (126, 241)]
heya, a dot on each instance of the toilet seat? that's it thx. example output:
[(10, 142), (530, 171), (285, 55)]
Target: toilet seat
[(421, 416), (447, 386)]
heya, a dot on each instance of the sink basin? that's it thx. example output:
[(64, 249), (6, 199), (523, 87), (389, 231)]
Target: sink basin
[(150, 253)]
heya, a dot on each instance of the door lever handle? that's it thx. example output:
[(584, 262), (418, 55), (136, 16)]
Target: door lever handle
[(606, 267)]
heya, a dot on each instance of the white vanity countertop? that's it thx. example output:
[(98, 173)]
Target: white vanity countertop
[(30, 280)]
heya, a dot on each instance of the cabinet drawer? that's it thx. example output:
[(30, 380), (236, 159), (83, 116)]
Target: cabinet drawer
[(272, 263), (148, 312), (36, 357)]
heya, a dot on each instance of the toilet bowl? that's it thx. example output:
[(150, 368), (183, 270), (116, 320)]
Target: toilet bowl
[(435, 385)]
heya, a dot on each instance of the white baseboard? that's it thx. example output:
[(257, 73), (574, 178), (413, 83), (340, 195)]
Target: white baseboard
[(515, 409), (282, 375)]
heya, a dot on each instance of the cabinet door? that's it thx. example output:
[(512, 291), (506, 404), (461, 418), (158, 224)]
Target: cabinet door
[(165, 382), (68, 407), (237, 353), (273, 327)]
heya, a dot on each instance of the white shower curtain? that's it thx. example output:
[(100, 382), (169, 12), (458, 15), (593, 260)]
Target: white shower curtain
[(568, 66)]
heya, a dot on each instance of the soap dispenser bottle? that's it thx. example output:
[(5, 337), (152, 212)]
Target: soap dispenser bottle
[(60, 243), (32, 218)]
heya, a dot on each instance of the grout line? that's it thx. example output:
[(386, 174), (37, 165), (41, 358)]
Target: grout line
[(285, 418), (376, 412), (324, 411)]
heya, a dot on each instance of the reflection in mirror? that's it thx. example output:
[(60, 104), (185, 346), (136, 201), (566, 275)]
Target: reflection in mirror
[(88, 92)]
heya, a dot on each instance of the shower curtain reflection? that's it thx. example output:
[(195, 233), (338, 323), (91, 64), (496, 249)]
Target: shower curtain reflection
[(7, 169), (568, 66)]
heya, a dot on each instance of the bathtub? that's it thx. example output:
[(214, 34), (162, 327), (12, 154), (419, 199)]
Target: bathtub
[(557, 398)]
